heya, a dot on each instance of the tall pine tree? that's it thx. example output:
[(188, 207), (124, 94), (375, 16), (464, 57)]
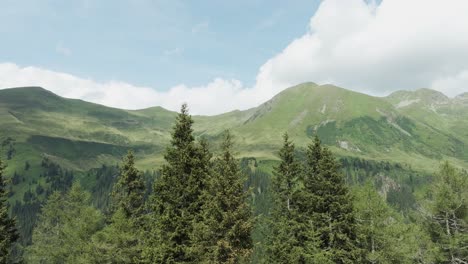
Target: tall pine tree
[(384, 235), (176, 201), (66, 225), (8, 232), (288, 242), (447, 214), (286, 178), (121, 240), (330, 205), (129, 191), (224, 233)]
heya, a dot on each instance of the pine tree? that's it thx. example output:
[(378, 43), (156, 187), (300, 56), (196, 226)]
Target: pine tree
[(129, 191), (224, 234), (120, 241), (8, 232), (287, 241), (286, 178), (176, 199), (66, 224), (329, 203), (447, 214), (384, 235), (314, 155)]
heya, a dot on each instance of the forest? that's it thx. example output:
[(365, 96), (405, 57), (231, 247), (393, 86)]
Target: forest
[(205, 205)]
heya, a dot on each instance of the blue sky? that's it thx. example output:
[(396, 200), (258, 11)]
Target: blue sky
[(219, 56), (157, 43)]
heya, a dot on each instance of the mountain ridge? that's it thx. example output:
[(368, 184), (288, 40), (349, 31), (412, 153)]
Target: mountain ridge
[(351, 123), (421, 92)]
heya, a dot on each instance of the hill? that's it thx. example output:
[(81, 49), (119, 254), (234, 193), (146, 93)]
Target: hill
[(49, 141), (422, 126), (418, 128)]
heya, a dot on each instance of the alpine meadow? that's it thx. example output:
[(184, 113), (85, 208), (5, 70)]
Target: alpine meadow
[(360, 166)]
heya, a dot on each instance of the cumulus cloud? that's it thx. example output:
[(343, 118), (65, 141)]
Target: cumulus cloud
[(356, 44), (398, 44), (209, 99)]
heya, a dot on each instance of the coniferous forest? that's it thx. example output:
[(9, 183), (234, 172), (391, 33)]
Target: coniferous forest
[(204, 205), (234, 132)]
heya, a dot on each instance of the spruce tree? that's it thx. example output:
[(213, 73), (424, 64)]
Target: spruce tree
[(120, 241), (224, 234), (66, 224), (285, 243), (176, 201), (329, 203), (447, 214), (8, 232), (384, 235), (286, 178), (129, 191), (314, 154)]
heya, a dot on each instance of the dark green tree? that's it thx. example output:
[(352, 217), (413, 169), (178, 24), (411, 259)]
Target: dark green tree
[(66, 225), (176, 201), (288, 241), (329, 204), (287, 174), (8, 232), (129, 190), (121, 240), (384, 235), (224, 233), (447, 214)]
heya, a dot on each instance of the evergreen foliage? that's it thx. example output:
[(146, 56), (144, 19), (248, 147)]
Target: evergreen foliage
[(447, 214), (199, 209), (329, 204), (129, 191), (224, 233), (384, 235), (292, 239), (66, 224), (8, 232), (121, 240), (176, 202)]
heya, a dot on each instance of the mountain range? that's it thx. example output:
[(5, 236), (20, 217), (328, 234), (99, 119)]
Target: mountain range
[(419, 128)]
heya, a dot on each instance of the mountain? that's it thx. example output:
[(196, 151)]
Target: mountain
[(436, 112), (421, 125), (418, 127), (49, 141)]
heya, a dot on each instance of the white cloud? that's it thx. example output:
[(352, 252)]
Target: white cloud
[(452, 84), (216, 97), (399, 44)]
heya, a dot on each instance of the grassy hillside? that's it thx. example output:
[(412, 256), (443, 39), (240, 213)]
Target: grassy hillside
[(420, 127), (49, 141)]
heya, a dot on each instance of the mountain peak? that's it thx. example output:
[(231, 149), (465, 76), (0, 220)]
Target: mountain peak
[(29, 97), (26, 90), (423, 96), (431, 94)]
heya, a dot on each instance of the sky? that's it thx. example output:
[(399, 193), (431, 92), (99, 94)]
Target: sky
[(220, 56)]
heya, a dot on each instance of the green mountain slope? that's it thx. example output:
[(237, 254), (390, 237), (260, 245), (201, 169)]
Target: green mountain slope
[(49, 141), (436, 112), (419, 128)]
